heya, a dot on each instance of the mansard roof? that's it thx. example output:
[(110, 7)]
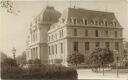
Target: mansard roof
[(48, 15), (80, 13)]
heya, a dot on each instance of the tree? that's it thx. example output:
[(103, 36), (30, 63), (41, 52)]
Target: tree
[(9, 6), (125, 58), (2, 56), (22, 58), (75, 58), (9, 62), (30, 61), (37, 61), (101, 57)]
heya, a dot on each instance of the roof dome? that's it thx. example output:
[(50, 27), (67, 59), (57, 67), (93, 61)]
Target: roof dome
[(48, 15)]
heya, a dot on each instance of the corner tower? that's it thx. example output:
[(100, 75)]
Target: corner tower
[(38, 47)]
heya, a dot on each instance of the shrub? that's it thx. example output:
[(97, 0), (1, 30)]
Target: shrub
[(75, 59), (58, 61), (42, 72)]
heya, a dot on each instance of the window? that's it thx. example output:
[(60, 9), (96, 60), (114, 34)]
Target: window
[(92, 22), (115, 33), (53, 50), (107, 45), (36, 35), (97, 44), (85, 22), (75, 46), (70, 20), (86, 45), (116, 46), (52, 37), (61, 33), (56, 48), (49, 38), (33, 37), (61, 46), (106, 24), (106, 33), (86, 32), (56, 36), (96, 22), (111, 23), (81, 21), (101, 23), (74, 20), (49, 50), (115, 24), (96, 33), (75, 32)]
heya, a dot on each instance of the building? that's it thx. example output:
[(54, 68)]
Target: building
[(81, 30), (37, 39)]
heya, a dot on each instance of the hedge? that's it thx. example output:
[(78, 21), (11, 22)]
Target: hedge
[(40, 72)]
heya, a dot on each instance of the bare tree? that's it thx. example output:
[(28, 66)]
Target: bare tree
[(9, 6)]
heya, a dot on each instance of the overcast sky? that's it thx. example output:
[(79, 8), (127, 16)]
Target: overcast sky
[(14, 29)]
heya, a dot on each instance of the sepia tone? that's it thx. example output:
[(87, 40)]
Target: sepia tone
[(77, 39)]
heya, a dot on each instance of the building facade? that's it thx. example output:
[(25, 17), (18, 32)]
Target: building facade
[(77, 30), (80, 30)]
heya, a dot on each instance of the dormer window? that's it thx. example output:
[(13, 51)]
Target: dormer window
[(81, 21), (70, 20), (101, 23), (106, 24), (115, 24), (85, 22), (92, 22), (74, 21), (111, 24), (96, 22)]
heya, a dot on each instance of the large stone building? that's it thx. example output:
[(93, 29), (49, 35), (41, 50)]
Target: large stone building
[(37, 46), (77, 30)]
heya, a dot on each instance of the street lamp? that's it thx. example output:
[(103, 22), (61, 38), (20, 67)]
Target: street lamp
[(117, 59), (14, 52)]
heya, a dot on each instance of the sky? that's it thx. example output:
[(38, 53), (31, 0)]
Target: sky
[(14, 28)]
